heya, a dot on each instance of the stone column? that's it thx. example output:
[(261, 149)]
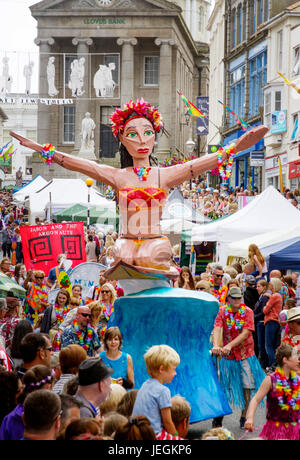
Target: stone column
[(43, 119), (166, 95), (82, 101), (127, 68)]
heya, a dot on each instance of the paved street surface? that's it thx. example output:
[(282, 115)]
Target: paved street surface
[(232, 423)]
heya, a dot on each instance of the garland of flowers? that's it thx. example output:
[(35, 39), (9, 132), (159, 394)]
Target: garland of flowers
[(61, 315), (107, 311), (237, 321), (142, 173), (219, 293), (283, 389), (47, 154), (80, 336), (225, 167)]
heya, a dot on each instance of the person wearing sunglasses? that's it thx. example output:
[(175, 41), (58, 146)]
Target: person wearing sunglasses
[(82, 333), (37, 296), (219, 289), (203, 286)]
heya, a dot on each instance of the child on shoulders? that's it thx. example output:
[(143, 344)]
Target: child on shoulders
[(154, 399)]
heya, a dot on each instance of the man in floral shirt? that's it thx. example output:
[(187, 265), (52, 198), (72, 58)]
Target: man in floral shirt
[(81, 333), (240, 370)]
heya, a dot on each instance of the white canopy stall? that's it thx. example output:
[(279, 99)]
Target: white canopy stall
[(268, 211), (58, 194)]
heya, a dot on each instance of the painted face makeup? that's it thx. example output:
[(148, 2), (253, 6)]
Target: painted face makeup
[(138, 138)]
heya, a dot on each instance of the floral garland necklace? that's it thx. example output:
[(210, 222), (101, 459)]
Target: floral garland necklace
[(107, 310), (60, 315), (80, 335), (286, 390), (225, 167), (237, 321), (142, 173)]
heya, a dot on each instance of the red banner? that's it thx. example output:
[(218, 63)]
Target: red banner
[(42, 244)]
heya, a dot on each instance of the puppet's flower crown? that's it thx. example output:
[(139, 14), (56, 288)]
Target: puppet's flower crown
[(140, 108)]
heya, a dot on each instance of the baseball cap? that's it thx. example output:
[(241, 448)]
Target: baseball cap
[(235, 292), (93, 370), (250, 279), (293, 314)]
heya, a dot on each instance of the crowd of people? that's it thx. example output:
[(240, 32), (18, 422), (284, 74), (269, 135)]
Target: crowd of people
[(64, 374), (223, 201), (67, 356)]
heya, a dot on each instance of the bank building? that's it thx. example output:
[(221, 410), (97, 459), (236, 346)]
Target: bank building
[(95, 55)]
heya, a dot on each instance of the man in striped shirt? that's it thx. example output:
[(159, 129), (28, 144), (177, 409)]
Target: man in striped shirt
[(180, 413)]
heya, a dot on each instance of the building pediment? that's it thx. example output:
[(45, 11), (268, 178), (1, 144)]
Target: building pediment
[(100, 6)]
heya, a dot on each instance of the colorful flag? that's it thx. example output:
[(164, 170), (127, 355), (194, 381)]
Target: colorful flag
[(289, 83), (192, 109), (4, 147), (9, 152), (239, 120)]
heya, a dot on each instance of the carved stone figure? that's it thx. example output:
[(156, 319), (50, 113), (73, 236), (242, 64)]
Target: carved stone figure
[(52, 91)]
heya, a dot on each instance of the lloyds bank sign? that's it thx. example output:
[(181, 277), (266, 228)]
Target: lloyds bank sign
[(104, 21)]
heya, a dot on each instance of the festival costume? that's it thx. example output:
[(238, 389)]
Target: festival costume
[(281, 423), (240, 369), (87, 339), (220, 293), (36, 296), (106, 311)]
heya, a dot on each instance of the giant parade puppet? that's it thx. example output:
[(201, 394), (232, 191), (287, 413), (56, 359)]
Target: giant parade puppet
[(160, 314)]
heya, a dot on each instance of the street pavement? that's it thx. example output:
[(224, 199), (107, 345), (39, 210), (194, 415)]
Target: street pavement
[(232, 423)]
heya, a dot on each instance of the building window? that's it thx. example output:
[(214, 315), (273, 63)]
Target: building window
[(268, 108), (277, 100), (295, 126), (296, 65), (240, 24), (151, 70), (68, 62), (280, 48), (108, 143), (253, 12), (266, 8), (237, 93), (258, 79), (69, 124), (201, 19), (260, 11), (234, 27)]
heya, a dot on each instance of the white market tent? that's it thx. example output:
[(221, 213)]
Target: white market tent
[(23, 193), (268, 211), (59, 194), (267, 242)]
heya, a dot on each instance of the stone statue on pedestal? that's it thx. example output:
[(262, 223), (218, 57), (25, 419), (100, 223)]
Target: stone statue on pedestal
[(88, 126)]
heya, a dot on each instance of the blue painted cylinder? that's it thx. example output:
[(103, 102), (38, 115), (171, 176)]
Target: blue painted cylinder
[(182, 319)]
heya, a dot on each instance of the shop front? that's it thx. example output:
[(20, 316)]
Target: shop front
[(294, 174), (243, 173)]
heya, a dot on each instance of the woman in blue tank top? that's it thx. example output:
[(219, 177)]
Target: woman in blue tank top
[(113, 357)]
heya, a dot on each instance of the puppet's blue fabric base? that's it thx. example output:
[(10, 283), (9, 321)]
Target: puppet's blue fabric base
[(182, 319)]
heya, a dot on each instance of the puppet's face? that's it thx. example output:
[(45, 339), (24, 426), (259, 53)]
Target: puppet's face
[(138, 137)]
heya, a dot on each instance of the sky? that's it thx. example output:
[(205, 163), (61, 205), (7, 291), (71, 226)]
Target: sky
[(17, 34)]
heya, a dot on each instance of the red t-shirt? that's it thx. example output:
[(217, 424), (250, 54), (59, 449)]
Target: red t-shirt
[(245, 349)]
